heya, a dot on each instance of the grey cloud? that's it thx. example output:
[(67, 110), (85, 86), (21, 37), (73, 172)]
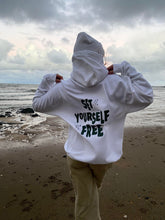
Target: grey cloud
[(65, 40), (163, 44), (105, 14), (151, 64), (17, 60), (58, 57), (38, 10), (127, 11), (53, 14), (48, 44), (33, 38), (5, 47)]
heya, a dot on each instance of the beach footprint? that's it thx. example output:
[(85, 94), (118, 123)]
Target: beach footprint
[(26, 205), (66, 187)]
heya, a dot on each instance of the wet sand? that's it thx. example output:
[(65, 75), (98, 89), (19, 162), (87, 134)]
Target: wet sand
[(35, 182)]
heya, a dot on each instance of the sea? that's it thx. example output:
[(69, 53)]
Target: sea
[(16, 96)]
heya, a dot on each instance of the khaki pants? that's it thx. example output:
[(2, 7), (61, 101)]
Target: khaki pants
[(87, 179)]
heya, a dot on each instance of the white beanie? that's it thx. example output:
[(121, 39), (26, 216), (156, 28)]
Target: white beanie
[(86, 42)]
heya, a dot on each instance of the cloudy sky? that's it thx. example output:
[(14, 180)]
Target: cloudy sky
[(37, 36)]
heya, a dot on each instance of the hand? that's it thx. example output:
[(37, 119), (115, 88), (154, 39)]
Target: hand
[(110, 70), (58, 78)]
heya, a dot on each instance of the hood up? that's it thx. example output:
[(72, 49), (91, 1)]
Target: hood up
[(88, 66)]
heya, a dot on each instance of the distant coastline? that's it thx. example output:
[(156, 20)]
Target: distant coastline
[(8, 83), (19, 83)]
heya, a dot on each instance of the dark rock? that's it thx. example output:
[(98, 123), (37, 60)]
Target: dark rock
[(25, 110), (8, 114), (2, 116), (35, 115)]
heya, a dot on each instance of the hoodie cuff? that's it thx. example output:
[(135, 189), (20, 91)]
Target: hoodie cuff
[(48, 81), (117, 68), (50, 77)]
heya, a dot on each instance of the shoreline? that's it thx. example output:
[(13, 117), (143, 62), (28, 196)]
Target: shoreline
[(35, 181)]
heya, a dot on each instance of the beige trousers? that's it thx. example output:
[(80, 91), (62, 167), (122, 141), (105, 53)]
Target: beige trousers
[(87, 179)]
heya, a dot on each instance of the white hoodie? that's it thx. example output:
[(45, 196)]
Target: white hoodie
[(94, 103)]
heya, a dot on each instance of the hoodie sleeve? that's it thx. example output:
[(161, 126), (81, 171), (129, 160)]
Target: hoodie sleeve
[(48, 95), (133, 90)]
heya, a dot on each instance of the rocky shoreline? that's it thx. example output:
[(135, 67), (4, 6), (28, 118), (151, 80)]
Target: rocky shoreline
[(14, 124)]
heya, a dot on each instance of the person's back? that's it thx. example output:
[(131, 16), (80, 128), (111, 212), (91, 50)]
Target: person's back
[(95, 105)]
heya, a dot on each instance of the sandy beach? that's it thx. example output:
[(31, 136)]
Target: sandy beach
[(35, 182)]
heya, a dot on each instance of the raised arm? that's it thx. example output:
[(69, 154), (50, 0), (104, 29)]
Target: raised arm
[(48, 94), (132, 88)]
